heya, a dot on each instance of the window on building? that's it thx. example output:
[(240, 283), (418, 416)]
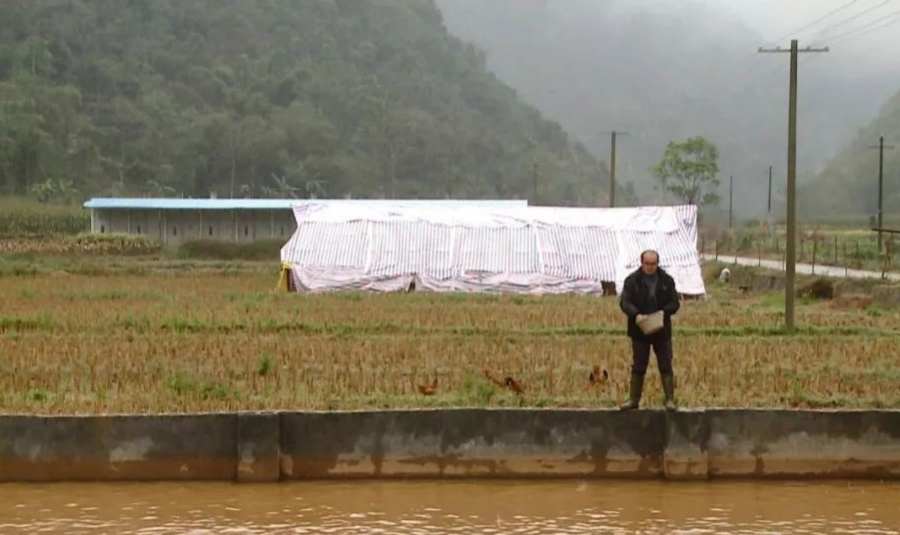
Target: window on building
[(174, 231), (210, 231), (102, 229), (139, 229), (246, 230), (282, 231)]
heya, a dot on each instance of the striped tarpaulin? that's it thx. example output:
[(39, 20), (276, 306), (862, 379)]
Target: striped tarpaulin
[(496, 250), (441, 254), (578, 252), (346, 244), (404, 248)]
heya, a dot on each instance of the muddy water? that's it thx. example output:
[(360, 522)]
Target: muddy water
[(452, 507)]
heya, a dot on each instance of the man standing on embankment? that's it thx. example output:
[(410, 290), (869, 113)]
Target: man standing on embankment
[(647, 294)]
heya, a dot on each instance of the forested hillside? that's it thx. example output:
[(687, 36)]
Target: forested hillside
[(326, 98), (849, 185)]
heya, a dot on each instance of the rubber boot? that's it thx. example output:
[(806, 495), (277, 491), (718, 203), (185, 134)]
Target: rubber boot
[(634, 398), (668, 381)]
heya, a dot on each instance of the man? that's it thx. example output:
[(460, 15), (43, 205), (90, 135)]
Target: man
[(648, 290)]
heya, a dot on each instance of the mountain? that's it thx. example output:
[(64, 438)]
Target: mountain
[(849, 184), (669, 71), (326, 98)]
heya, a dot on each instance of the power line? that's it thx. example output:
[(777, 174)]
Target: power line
[(862, 29), (854, 17), (744, 64), (813, 23)]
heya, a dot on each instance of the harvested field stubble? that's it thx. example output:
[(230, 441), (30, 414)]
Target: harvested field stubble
[(201, 341)]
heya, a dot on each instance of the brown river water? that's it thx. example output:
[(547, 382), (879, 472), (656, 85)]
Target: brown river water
[(516, 507)]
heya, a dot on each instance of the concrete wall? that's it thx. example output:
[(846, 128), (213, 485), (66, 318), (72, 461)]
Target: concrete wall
[(455, 443), (173, 227), (117, 447)]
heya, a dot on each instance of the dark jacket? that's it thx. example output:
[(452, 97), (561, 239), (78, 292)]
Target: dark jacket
[(635, 299)]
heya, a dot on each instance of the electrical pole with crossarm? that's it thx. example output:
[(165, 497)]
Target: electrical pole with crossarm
[(881, 146), (790, 271)]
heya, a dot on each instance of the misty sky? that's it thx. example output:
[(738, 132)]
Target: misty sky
[(866, 40), (840, 92)]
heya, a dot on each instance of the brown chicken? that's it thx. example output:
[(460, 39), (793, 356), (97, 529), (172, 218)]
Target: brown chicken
[(599, 376), (513, 385), (507, 382), (429, 390)]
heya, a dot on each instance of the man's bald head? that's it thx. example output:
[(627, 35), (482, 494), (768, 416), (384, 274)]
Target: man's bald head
[(649, 262)]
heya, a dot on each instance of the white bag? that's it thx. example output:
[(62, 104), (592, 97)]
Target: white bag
[(652, 323)]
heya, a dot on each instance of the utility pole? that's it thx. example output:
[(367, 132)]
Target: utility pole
[(612, 167), (534, 179), (880, 148), (730, 198), (769, 222), (790, 271)]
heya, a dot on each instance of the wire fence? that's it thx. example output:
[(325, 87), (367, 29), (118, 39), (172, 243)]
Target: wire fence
[(848, 250)]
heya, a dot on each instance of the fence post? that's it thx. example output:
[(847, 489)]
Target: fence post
[(717, 249), (835, 250), (815, 248), (890, 252), (759, 253), (846, 267)]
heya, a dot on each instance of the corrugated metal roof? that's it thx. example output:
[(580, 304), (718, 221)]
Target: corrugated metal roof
[(279, 204)]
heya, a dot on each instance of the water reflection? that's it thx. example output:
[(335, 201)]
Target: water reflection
[(452, 507)]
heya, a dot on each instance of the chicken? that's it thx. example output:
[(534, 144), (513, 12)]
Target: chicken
[(507, 382), (598, 376), (429, 389), (513, 385)]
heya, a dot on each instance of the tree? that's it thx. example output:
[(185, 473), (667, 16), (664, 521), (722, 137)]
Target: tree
[(688, 170), (288, 99)]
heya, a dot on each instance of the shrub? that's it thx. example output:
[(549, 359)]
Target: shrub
[(223, 250)]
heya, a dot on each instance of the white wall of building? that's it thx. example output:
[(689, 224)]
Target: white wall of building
[(174, 227)]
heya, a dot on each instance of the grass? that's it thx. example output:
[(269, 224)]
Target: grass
[(224, 250), (143, 336)]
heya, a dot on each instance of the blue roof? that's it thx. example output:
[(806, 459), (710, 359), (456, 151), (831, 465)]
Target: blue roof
[(277, 204)]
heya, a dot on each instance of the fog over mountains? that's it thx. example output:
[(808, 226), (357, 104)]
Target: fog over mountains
[(664, 72)]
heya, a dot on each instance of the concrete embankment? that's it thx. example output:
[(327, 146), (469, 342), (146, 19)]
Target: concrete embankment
[(523, 443)]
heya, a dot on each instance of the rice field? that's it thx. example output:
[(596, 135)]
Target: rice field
[(177, 340)]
